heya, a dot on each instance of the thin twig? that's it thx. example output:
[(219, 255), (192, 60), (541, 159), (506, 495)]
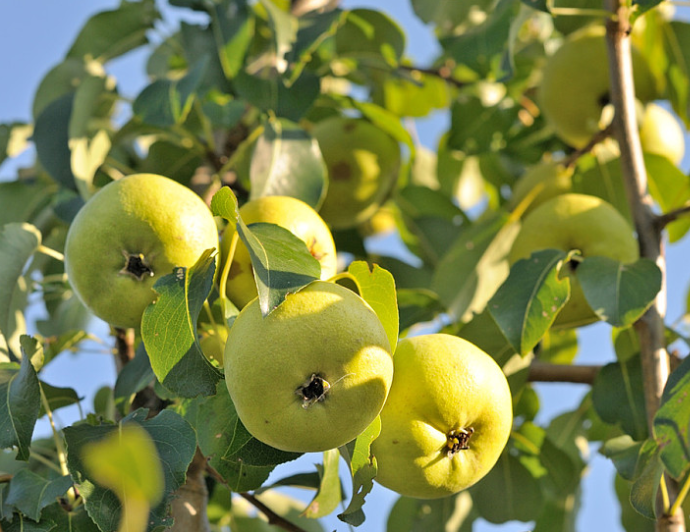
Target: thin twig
[(5, 478), (671, 216), (444, 72), (124, 347), (598, 137), (273, 518), (577, 374)]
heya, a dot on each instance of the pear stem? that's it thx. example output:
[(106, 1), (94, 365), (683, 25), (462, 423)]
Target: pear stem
[(650, 328)]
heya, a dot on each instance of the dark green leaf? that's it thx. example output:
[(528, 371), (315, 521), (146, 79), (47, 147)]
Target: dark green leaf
[(448, 15), (677, 47), (417, 515), (109, 34), (618, 398), (647, 479), (485, 333), (604, 180), (284, 27), (631, 519), (476, 128), (527, 303), (362, 467), (22, 524), (60, 81), (559, 515), (484, 48), (371, 37), (623, 451), (626, 343), (77, 520), (672, 421), (619, 293), (475, 266), (58, 397), (233, 34), (172, 160), (417, 305), (243, 461), (51, 137), (167, 102), (329, 494), (175, 443), (20, 202), (269, 93), (168, 329), (287, 162), (30, 493), (134, 377), (520, 494), (19, 406)]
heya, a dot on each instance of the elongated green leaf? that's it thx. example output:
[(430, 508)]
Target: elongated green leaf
[(168, 328), (284, 26), (58, 82), (19, 406), (18, 242), (242, 460), (77, 520), (371, 37), (559, 515), (647, 479), (528, 301), (631, 519), (619, 293), (377, 288), (418, 515), (110, 34), (484, 332), (670, 188), (58, 397), (329, 494), (475, 266), (362, 466), (672, 420), (51, 138), (623, 451), (134, 377), (618, 398), (30, 493), (233, 35), (175, 443), (167, 102), (520, 494), (287, 162), (677, 47)]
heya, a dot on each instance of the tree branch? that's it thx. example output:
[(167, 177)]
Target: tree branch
[(650, 328), (443, 72), (664, 219), (273, 518), (547, 372), (189, 505), (598, 137), (124, 347)]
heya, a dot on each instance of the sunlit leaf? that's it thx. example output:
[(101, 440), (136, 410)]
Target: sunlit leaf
[(168, 328), (647, 479), (233, 34), (619, 293), (287, 162), (371, 37), (329, 494), (284, 26), (670, 188)]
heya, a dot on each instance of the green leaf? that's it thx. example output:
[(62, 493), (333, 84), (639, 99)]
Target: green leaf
[(630, 518), (51, 138), (167, 102), (416, 96), (243, 461), (18, 243), (677, 46), (618, 398), (284, 26), (30, 493), (58, 397), (483, 331), (175, 443), (60, 81), (521, 495), (672, 420), (14, 139), (168, 329), (172, 160), (109, 34), (624, 452), (371, 37), (329, 494), (268, 92), (19, 406), (670, 188), (619, 293), (603, 179), (475, 266), (362, 467), (77, 520), (648, 476), (448, 15), (558, 347), (417, 515), (233, 34), (417, 305), (136, 375), (527, 303), (377, 287), (482, 47), (22, 524), (287, 161), (22, 201), (560, 514), (626, 343)]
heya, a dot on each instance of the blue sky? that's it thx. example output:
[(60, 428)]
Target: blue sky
[(34, 36)]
